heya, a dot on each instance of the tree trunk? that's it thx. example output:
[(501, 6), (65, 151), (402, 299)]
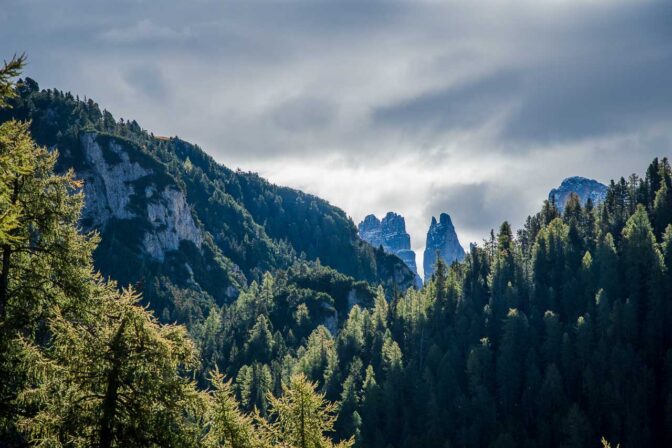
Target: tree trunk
[(111, 393)]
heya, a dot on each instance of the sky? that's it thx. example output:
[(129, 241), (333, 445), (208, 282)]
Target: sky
[(475, 108)]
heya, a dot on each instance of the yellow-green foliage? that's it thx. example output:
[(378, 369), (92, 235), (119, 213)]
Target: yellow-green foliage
[(83, 364), (302, 417), (116, 370)]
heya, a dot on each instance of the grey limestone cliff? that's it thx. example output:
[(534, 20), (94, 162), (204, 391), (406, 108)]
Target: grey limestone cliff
[(115, 187)]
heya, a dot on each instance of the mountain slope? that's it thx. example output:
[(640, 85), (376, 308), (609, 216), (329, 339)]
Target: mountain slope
[(175, 222)]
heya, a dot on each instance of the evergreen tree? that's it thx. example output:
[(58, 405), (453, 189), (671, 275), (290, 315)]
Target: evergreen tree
[(662, 206), (302, 416), (112, 380), (45, 261), (643, 265), (228, 427)]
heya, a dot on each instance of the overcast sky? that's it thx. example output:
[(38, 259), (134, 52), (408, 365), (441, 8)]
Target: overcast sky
[(475, 108)]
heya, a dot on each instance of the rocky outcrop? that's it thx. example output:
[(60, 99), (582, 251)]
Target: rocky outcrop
[(441, 239), (370, 231), (116, 187), (391, 235), (584, 188), (171, 220), (108, 181)]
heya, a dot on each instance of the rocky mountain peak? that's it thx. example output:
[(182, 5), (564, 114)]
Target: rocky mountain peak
[(390, 234), (371, 221), (441, 239), (445, 220), (583, 187)]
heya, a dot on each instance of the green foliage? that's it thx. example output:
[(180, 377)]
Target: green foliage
[(228, 426), (112, 380), (10, 69), (83, 364), (303, 417), (80, 362), (518, 346)]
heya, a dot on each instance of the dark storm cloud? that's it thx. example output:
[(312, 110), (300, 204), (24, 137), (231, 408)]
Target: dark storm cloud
[(615, 80), (302, 113), (540, 72), (148, 81), (604, 70), (456, 107)]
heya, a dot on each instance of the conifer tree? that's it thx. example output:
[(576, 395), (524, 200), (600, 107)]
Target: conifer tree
[(227, 426), (80, 363), (303, 417), (662, 207), (44, 261), (111, 380), (643, 265), (254, 382), (10, 70)]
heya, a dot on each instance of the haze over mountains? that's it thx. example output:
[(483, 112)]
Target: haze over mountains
[(318, 114), (151, 196), (390, 234)]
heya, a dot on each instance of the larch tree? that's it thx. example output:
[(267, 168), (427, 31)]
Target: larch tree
[(44, 260), (81, 364), (303, 417), (228, 427), (111, 380)]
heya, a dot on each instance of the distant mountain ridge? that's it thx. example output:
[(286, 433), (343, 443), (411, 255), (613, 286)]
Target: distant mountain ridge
[(583, 187), (442, 239), (176, 223), (390, 234)]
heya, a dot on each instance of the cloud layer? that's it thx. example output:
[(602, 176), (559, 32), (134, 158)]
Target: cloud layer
[(476, 108)]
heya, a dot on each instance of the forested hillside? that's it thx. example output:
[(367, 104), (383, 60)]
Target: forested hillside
[(185, 230), (553, 336), (82, 364), (556, 335)]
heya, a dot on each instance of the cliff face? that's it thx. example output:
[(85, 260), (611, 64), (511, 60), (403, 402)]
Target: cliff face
[(584, 188), (149, 235), (370, 231), (441, 238), (117, 188), (108, 187), (390, 234), (171, 220)]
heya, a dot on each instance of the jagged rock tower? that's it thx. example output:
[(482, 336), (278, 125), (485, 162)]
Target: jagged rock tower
[(441, 239), (390, 233)]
